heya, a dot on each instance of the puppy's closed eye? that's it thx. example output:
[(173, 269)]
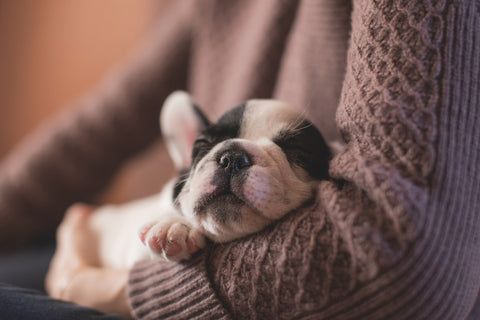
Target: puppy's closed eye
[(202, 140), (305, 147), (201, 146)]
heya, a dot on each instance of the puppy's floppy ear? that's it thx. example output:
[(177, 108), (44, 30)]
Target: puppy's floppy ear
[(180, 122)]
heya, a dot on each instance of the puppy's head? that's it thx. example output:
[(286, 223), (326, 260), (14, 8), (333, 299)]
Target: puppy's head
[(259, 161)]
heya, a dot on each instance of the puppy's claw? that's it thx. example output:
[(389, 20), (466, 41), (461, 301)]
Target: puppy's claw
[(155, 244)]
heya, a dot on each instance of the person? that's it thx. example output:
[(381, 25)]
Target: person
[(392, 235)]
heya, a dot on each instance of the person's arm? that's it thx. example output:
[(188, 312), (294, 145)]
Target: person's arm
[(72, 275), (74, 156), (394, 236)]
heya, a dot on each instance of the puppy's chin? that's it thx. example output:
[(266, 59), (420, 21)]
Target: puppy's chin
[(223, 207), (228, 218)]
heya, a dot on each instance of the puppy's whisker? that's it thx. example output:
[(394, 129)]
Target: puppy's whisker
[(183, 180), (307, 125), (298, 124)]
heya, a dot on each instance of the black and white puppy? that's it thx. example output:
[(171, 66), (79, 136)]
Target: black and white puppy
[(258, 162)]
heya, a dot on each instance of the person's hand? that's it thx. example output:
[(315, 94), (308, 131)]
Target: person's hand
[(73, 277)]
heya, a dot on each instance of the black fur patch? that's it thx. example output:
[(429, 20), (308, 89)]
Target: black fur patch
[(306, 148), (201, 116), (182, 178), (227, 127)]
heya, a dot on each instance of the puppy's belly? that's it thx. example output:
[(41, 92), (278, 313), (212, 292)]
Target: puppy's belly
[(117, 228)]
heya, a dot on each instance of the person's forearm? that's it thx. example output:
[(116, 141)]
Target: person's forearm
[(73, 157), (73, 277)]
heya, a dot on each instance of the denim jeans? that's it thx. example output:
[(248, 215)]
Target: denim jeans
[(21, 303), (22, 294)]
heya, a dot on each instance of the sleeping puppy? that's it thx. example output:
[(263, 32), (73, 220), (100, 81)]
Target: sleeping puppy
[(258, 162)]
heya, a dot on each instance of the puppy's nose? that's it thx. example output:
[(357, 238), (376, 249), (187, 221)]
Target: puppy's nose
[(234, 160)]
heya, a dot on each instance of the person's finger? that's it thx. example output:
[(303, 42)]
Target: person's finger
[(72, 223)]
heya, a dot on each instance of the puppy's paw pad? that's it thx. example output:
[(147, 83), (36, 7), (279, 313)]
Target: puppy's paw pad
[(171, 240), (173, 249)]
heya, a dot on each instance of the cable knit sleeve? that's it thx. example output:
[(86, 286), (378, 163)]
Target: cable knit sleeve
[(394, 235), (74, 156)]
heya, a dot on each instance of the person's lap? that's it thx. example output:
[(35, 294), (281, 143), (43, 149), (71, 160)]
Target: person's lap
[(22, 303), (27, 268), (22, 293)]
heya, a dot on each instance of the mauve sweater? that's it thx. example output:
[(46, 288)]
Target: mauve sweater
[(393, 235)]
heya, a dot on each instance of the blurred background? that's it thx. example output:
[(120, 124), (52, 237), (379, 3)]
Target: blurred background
[(52, 52)]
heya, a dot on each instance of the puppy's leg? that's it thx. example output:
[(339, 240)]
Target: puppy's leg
[(172, 238), (165, 233)]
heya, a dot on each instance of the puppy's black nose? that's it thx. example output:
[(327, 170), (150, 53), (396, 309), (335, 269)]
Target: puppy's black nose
[(234, 160)]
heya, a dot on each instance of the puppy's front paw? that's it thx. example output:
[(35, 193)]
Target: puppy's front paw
[(172, 239)]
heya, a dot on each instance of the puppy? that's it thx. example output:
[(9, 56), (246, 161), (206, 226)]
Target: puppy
[(258, 162)]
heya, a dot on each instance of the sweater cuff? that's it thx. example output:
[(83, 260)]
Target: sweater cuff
[(172, 290)]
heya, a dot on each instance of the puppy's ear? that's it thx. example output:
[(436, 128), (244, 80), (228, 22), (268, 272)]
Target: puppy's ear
[(180, 122)]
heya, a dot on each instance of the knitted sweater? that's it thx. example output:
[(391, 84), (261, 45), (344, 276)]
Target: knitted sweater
[(393, 234)]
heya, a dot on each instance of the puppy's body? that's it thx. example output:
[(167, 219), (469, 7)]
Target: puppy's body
[(258, 162), (117, 229)]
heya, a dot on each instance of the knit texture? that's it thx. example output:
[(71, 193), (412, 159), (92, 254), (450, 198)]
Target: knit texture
[(193, 296), (393, 234)]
